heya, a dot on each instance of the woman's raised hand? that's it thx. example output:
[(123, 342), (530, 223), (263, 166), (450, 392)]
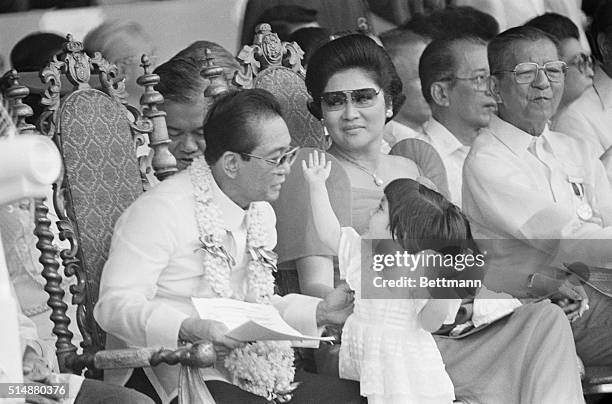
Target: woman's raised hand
[(317, 170)]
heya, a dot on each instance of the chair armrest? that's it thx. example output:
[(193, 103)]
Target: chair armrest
[(200, 354)]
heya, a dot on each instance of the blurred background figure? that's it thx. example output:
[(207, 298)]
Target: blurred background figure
[(122, 43), (405, 48), (453, 22), (285, 19), (184, 103), (585, 112), (31, 54), (309, 39)]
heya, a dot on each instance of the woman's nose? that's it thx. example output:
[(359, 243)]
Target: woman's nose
[(350, 111)]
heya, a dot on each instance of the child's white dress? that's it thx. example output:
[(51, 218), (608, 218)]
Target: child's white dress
[(383, 345)]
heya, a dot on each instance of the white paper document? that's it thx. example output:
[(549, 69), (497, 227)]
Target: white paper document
[(250, 321)]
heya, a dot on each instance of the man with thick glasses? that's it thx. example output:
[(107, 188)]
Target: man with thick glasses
[(582, 113), (541, 192)]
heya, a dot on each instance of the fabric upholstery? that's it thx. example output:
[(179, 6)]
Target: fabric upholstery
[(102, 174), (290, 90)]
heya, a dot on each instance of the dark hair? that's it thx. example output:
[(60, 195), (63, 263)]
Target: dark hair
[(602, 24), (556, 25), (500, 48), (280, 18), (309, 39), (352, 51), (230, 120), (453, 22), (34, 51), (180, 79), (420, 218), (438, 62)]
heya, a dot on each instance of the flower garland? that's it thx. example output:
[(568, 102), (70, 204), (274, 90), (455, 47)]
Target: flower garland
[(264, 367)]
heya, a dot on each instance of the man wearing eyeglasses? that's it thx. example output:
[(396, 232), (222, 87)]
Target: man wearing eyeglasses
[(455, 80), (590, 116), (541, 192), (581, 113), (160, 255)]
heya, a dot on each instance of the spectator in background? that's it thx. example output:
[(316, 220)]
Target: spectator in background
[(184, 103), (405, 48), (285, 19), (309, 39), (453, 22), (31, 54), (122, 43), (589, 118)]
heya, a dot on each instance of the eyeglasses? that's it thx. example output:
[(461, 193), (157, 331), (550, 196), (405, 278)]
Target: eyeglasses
[(527, 73), (480, 82), (582, 62), (361, 98), (287, 157)]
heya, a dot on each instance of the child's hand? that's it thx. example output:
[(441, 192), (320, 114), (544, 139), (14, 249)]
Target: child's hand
[(317, 170)]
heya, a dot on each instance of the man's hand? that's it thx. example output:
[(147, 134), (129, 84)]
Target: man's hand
[(573, 299), (195, 329), (336, 307)]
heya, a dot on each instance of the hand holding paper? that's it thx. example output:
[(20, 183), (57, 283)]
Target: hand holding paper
[(250, 321)]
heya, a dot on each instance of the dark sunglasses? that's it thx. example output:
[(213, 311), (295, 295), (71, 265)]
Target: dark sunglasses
[(361, 98)]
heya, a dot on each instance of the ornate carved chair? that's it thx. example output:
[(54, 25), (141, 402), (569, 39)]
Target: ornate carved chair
[(97, 136), (276, 66)]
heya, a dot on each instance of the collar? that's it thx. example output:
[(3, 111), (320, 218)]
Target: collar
[(514, 138), (232, 214), (603, 86), (442, 139)]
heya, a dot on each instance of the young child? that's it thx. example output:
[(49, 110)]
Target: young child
[(387, 343)]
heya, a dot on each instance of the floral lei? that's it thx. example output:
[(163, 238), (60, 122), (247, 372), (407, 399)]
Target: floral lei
[(264, 367)]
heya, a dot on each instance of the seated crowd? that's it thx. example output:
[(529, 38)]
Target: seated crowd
[(445, 130)]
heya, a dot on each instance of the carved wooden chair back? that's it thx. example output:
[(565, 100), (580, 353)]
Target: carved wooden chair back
[(276, 66), (97, 135), (294, 223)]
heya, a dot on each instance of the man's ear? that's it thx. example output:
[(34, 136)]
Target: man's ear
[(230, 164), (494, 89), (603, 46), (439, 93)]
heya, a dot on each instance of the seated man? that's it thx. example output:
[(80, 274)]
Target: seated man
[(589, 118), (540, 190), (207, 232)]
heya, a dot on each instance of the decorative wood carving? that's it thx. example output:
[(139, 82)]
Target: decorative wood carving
[(164, 163), (216, 76), (77, 66), (267, 50), (15, 93)]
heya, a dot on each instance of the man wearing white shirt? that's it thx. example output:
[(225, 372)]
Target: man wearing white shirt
[(590, 116), (455, 79), (158, 258), (540, 190)]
